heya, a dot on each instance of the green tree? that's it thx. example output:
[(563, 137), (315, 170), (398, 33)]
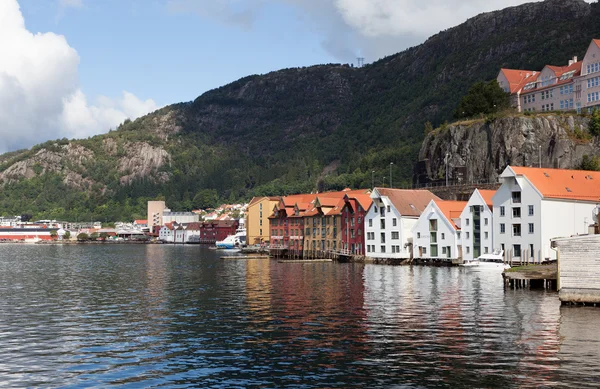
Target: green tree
[(53, 234), (67, 235), (94, 236), (595, 123), (206, 198), (82, 237), (483, 98), (103, 236), (590, 163)]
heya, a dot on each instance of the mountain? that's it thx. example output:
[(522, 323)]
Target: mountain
[(321, 127)]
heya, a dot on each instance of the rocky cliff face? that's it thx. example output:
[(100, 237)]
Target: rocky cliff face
[(479, 150)]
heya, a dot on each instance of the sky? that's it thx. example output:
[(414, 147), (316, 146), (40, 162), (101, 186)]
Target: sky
[(77, 68)]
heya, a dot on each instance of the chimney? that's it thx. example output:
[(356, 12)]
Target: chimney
[(574, 59), (570, 62)]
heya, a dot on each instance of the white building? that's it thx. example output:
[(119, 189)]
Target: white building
[(476, 225), (437, 231), (389, 222), (167, 233), (179, 217), (535, 205)]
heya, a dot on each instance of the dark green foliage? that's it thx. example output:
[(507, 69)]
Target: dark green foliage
[(483, 98), (82, 237), (67, 235), (590, 163), (595, 123)]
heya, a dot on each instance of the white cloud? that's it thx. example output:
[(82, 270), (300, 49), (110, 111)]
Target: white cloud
[(40, 96)]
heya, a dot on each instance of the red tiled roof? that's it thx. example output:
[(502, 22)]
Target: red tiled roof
[(597, 42), (451, 210), (141, 222), (487, 197), (518, 78), (408, 202), (562, 183)]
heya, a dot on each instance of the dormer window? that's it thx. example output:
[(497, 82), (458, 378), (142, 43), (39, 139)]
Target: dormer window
[(516, 197)]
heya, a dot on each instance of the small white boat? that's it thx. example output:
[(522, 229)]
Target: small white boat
[(233, 241), (494, 260)]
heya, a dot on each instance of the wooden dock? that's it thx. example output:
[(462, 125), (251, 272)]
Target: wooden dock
[(245, 257), (532, 277), (305, 260)]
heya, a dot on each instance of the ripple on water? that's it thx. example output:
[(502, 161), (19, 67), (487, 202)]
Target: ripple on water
[(177, 316)]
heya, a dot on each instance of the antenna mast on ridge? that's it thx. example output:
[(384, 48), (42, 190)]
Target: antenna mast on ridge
[(361, 62)]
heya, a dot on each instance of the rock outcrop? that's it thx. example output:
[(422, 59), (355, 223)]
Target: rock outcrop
[(479, 150)]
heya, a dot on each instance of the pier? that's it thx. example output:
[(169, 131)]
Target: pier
[(531, 277)]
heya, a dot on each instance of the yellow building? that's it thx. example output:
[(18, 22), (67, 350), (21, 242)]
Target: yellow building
[(323, 226), (257, 219)]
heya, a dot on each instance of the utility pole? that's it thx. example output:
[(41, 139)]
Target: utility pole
[(391, 164), (446, 160)]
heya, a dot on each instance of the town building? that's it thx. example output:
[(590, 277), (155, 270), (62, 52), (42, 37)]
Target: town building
[(437, 232), (354, 212), (390, 220), (477, 225), (179, 217), (323, 225), (216, 230), (167, 233), (155, 215), (257, 219), (535, 205), (575, 86)]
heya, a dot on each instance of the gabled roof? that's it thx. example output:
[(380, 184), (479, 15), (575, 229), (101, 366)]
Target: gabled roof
[(562, 183), (487, 197), (141, 221), (364, 200), (597, 42), (408, 202), (451, 210), (517, 78)]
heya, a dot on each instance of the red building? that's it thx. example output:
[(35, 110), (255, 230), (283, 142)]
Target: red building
[(356, 207), (216, 230)]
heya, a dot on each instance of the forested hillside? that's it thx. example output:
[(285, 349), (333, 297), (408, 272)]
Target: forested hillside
[(322, 127)]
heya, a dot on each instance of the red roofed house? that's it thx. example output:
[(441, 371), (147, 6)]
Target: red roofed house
[(354, 212), (436, 234), (575, 86), (476, 225), (534, 205)]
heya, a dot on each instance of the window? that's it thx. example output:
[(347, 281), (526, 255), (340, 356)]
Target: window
[(594, 96), (370, 222), (388, 208), (485, 250), (468, 249), (382, 223), (394, 222), (444, 250), (486, 235), (593, 82), (502, 228), (260, 232), (383, 249), (501, 211), (260, 222), (531, 228), (516, 197), (485, 221), (433, 225), (395, 235), (443, 236), (382, 211), (375, 209), (424, 250), (467, 235), (418, 235), (531, 210), (516, 250), (457, 234), (516, 230), (368, 248), (467, 221), (383, 237), (516, 212), (531, 251)]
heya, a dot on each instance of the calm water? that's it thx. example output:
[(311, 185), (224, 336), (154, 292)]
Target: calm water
[(178, 316)]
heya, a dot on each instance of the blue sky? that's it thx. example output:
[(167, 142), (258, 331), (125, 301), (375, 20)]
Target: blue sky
[(76, 68), (154, 52)]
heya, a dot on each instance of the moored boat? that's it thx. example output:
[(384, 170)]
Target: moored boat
[(233, 241)]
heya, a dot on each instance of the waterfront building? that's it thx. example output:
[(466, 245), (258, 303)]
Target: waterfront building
[(476, 225), (390, 220), (215, 230), (437, 232), (179, 217), (288, 214), (534, 205), (155, 215), (323, 225), (575, 86), (257, 219), (354, 212), (167, 233)]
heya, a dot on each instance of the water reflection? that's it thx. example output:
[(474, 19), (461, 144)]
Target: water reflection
[(149, 316)]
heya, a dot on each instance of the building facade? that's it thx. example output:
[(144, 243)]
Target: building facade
[(477, 225), (257, 219), (575, 86), (353, 214), (535, 205), (437, 231), (155, 215), (390, 220)]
